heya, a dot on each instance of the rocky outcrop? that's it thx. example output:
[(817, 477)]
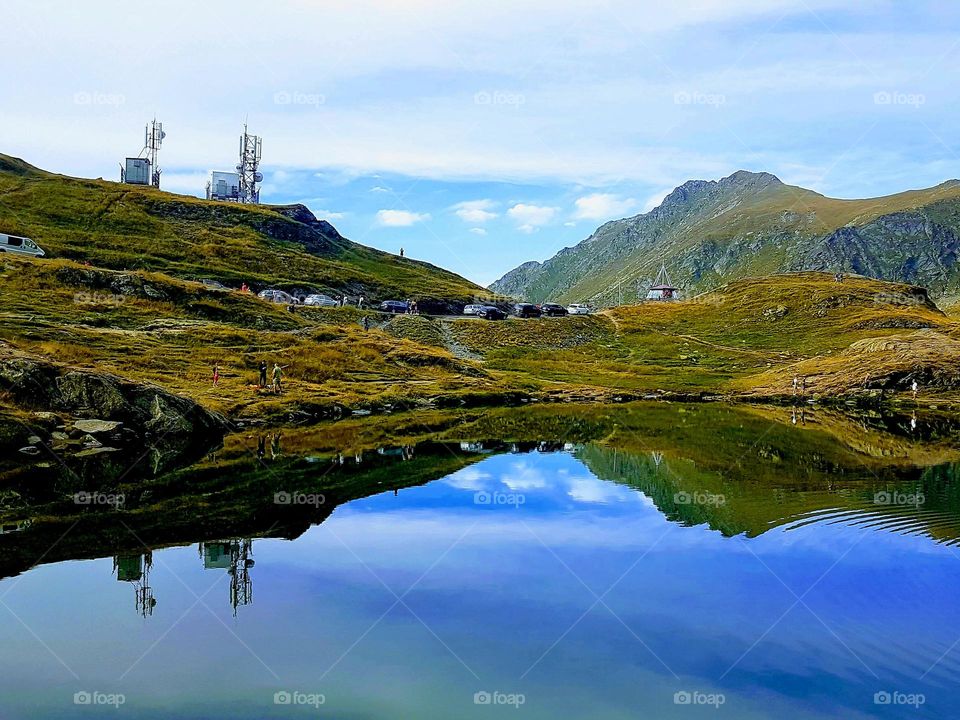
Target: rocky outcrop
[(36, 385)]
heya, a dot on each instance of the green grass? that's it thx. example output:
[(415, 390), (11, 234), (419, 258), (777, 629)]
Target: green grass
[(116, 226)]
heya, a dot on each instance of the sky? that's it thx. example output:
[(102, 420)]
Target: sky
[(479, 135)]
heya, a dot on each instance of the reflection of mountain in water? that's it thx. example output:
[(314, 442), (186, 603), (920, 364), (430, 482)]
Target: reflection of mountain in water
[(735, 500), (739, 470)]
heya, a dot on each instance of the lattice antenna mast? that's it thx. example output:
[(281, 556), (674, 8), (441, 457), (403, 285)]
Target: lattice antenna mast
[(248, 169), (152, 140)]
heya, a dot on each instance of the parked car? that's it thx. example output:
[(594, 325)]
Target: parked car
[(393, 306), (320, 301), (578, 309), (489, 312), (278, 296), (553, 310), (19, 245), (472, 309), (526, 310), (213, 284)]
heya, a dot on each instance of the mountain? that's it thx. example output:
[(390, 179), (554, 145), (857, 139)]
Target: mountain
[(132, 227), (751, 224)]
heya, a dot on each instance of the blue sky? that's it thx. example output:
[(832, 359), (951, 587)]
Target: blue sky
[(478, 135)]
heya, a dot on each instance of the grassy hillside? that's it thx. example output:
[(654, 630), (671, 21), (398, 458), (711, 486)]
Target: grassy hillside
[(115, 296), (749, 225), (127, 227)]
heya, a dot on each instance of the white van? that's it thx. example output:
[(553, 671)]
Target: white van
[(19, 245)]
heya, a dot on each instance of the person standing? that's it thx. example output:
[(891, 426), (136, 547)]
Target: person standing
[(915, 388), (401, 252), (263, 373), (277, 378), (216, 375), (366, 322)]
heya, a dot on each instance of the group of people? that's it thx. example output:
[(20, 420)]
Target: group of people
[(277, 376)]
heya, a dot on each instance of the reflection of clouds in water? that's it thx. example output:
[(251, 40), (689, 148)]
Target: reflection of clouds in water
[(592, 490), (557, 482), (522, 476), (470, 478)]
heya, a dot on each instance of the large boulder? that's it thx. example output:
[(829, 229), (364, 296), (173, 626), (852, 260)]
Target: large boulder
[(35, 384)]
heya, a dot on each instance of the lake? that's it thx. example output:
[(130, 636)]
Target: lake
[(638, 561)]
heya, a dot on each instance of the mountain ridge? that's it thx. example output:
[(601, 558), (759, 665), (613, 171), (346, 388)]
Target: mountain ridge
[(748, 223)]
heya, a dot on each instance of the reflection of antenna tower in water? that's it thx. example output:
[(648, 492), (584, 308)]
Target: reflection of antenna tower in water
[(250, 176), (236, 557), (135, 569)]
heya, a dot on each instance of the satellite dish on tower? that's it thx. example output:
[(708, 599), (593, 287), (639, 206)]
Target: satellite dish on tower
[(258, 177)]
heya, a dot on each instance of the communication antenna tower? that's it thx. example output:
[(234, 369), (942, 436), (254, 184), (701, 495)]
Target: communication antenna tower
[(153, 138), (250, 176)]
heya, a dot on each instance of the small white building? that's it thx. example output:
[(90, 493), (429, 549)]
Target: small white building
[(223, 186)]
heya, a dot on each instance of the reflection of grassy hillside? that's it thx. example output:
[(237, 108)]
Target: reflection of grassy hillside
[(230, 494)]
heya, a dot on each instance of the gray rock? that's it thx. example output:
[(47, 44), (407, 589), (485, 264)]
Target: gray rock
[(30, 450), (97, 427)]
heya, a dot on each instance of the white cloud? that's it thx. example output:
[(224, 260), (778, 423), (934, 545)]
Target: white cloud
[(379, 189), (478, 231), (475, 211), (655, 199), (400, 218), (531, 217), (603, 206), (329, 214)]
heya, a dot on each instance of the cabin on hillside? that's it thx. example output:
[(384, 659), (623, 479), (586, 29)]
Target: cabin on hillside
[(663, 288)]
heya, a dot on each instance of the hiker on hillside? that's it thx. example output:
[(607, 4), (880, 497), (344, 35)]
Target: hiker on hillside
[(263, 373), (366, 322), (803, 386), (796, 384), (216, 374), (401, 252), (915, 388), (277, 378)]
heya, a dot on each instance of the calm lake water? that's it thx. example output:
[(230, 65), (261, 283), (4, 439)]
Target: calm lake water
[(664, 562)]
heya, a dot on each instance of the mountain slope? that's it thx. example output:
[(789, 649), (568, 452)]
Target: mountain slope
[(129, 227), (749, 224)]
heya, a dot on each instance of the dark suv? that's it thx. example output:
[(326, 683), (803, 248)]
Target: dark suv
[(553, 310), (393, 306), (526, 310), (489, 312)]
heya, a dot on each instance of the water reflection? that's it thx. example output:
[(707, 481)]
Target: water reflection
[(424, 546)]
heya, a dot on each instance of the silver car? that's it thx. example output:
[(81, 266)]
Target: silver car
[(278, 296), (321, 301), (472, 309), (578, 309)]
